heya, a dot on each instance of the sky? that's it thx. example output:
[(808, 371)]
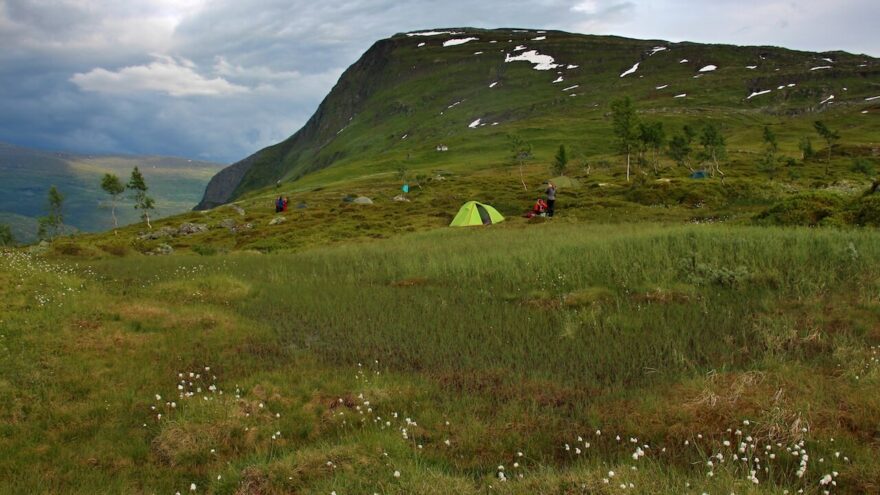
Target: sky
[(220, 79)]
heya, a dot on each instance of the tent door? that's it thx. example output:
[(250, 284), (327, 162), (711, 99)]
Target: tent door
[(484, 215)]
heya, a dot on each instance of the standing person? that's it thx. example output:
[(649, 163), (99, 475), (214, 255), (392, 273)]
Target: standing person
[(551, 198), (284, 203), (279, 204)]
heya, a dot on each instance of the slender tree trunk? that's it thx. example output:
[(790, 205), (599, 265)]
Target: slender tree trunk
[(521, 178), (147, 218), (627, 166), (717, 167)]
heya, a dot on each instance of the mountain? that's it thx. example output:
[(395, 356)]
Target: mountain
[(467, 89), (27, 174)]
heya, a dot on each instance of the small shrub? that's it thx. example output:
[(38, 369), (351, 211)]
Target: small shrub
[(703, 274), (863, 166), (866, 211), (587, 297), (68, 248), (808, 209), (204, 249), (114, 248)]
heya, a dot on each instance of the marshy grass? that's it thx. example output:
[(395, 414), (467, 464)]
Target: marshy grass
[(445, 355)]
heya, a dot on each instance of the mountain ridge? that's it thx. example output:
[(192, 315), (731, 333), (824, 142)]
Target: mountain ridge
[(401, 81)]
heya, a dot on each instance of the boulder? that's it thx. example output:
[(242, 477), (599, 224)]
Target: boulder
[(40, 249), (277, 220), (237, 209), (401, 198), (157, 234), (163, 249), (228, 224), (362, 200), (188, 228)]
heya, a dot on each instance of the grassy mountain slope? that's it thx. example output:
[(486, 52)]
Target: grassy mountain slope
[(401, 100), (27, 174)]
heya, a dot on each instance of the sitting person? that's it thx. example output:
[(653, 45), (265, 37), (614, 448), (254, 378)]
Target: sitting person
[(539, 210)]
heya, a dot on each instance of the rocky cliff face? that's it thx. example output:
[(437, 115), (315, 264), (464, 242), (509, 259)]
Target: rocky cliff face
[(298, 154)]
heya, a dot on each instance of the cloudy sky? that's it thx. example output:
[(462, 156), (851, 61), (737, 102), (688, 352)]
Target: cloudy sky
[(219, 79)]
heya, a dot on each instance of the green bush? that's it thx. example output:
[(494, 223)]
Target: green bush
[(864, 166), (865, 211), (204, 250), (808, 209), (690, 194), (114, 248)]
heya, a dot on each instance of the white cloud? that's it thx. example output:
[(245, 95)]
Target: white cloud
[(175, 77)]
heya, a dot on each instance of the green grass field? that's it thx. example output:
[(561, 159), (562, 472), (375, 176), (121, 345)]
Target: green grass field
[(682, 359)]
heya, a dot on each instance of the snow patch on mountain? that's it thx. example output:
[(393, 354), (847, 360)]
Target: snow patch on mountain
[(459, 41), (541, 62), (632, 70), (432, 33)]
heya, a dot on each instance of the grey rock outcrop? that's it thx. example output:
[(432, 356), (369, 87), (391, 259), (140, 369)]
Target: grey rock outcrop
[(188, 228)]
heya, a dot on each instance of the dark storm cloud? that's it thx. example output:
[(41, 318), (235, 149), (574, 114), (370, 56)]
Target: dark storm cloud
[(220, 79)]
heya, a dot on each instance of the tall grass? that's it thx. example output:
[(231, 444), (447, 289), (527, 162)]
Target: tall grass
[(494, 340)]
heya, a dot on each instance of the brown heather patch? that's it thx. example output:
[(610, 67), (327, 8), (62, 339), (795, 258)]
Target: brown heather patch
[(254, 481), (140, 310), (295, 472), (104, 340), (662, 296), (186, 443), (409, 282), (503, 387), (543, 302)]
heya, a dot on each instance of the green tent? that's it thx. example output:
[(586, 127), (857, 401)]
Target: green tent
[(473, 213), (563, 182)]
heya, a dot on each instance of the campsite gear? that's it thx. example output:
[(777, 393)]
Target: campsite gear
[(699, 174), (405, 188), (539, 210), (362, 200), (565, 182), (474, 213)]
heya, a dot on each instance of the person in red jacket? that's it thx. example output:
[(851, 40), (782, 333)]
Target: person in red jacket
[(539, 209)]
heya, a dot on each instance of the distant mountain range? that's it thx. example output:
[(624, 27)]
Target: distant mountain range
[(26, 175), (464, 90)]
